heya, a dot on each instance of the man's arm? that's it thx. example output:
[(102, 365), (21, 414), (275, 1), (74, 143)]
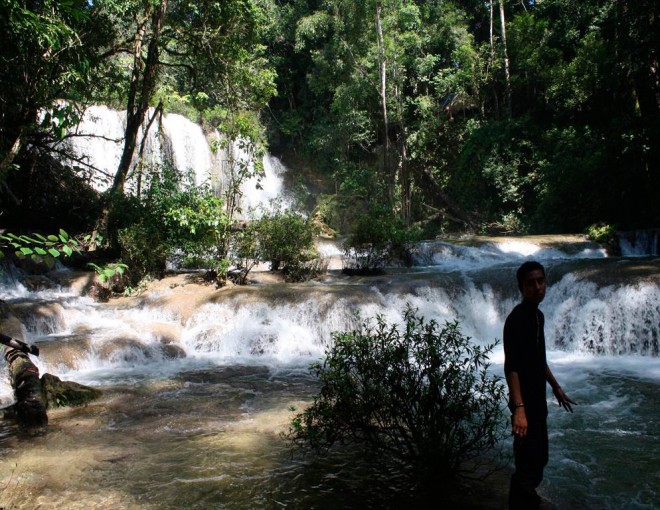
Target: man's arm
[(519, 421), (561, 397)]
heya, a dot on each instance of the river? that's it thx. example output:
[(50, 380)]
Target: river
[(199, 383)]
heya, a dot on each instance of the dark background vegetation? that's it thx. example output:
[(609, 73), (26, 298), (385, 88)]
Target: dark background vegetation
[(493, 117)]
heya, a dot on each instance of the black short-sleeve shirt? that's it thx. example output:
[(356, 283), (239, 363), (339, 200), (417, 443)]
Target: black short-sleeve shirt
[(524, 353)]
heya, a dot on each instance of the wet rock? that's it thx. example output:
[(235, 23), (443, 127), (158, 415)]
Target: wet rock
[(99, 293), (35, 283), (124, 349), (41, 317), (70, 351), (9, 323), (80, 282), (165, 332), (58, 393), (172, 351)]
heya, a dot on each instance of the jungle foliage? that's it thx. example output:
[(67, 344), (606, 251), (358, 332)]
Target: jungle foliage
[(495, 116), (508, 116)]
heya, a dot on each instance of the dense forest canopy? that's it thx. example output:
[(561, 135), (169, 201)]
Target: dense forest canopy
[(508, 116)]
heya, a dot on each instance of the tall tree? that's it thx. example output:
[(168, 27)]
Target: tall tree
[(505, 51), (144, 75), (208, 50)]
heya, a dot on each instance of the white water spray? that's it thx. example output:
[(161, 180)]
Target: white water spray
[(178, 142)]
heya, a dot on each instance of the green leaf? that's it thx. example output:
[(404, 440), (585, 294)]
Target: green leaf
[(64, 236), (53, 238), (26, 251), (54, 252), (67, 250), (40, 251)]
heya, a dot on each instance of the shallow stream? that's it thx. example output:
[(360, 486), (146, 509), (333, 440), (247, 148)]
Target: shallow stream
[(199, 384)]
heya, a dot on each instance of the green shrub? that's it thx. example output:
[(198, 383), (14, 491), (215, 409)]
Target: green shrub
[(173, 217), (418, 393), (603, 233), (142, 249), (286, 239), (246, 251), (376, 239)]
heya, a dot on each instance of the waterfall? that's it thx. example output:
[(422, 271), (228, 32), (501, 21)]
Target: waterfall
[(472, 253), (594, 306), (98, 143), (640, 243), (177, 141), (264, 191), (190, 149)]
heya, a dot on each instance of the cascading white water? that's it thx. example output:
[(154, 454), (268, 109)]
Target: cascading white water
[(452, 256), (622, 318), (190, 148), (178, 142), (602, 326), (640, 243), (99, 140), (258, 192)]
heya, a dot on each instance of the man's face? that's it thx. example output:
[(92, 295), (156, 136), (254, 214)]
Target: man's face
[(533, 286)]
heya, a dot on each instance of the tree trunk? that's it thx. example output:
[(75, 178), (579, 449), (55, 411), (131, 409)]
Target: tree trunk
[(382, 70), (10, 156), (142, 87), (158, 112), (468, 219), (143, 84), (404, 180), (507, 70)]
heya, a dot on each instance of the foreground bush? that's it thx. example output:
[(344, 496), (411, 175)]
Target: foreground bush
[(419, 393)]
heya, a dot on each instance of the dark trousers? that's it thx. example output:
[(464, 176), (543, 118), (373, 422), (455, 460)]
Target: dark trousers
[(531, 456)]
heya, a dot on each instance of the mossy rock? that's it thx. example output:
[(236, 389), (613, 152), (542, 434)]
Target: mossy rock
[(58, 393)]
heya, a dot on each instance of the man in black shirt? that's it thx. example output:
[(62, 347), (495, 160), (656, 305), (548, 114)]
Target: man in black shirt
[(527, 372)]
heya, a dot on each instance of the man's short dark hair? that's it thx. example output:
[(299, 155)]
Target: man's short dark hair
[(527, 267)]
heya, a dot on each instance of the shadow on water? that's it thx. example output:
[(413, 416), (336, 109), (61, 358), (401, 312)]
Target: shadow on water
[(208, 439)]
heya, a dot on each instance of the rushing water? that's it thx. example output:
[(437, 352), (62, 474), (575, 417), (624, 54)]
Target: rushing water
[(198, 383), (172, 140)]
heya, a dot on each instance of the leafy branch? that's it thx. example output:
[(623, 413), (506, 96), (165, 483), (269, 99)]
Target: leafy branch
[(38, 247)]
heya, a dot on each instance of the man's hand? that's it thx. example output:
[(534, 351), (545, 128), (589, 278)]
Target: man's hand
[(563, 399), (519, 422)]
